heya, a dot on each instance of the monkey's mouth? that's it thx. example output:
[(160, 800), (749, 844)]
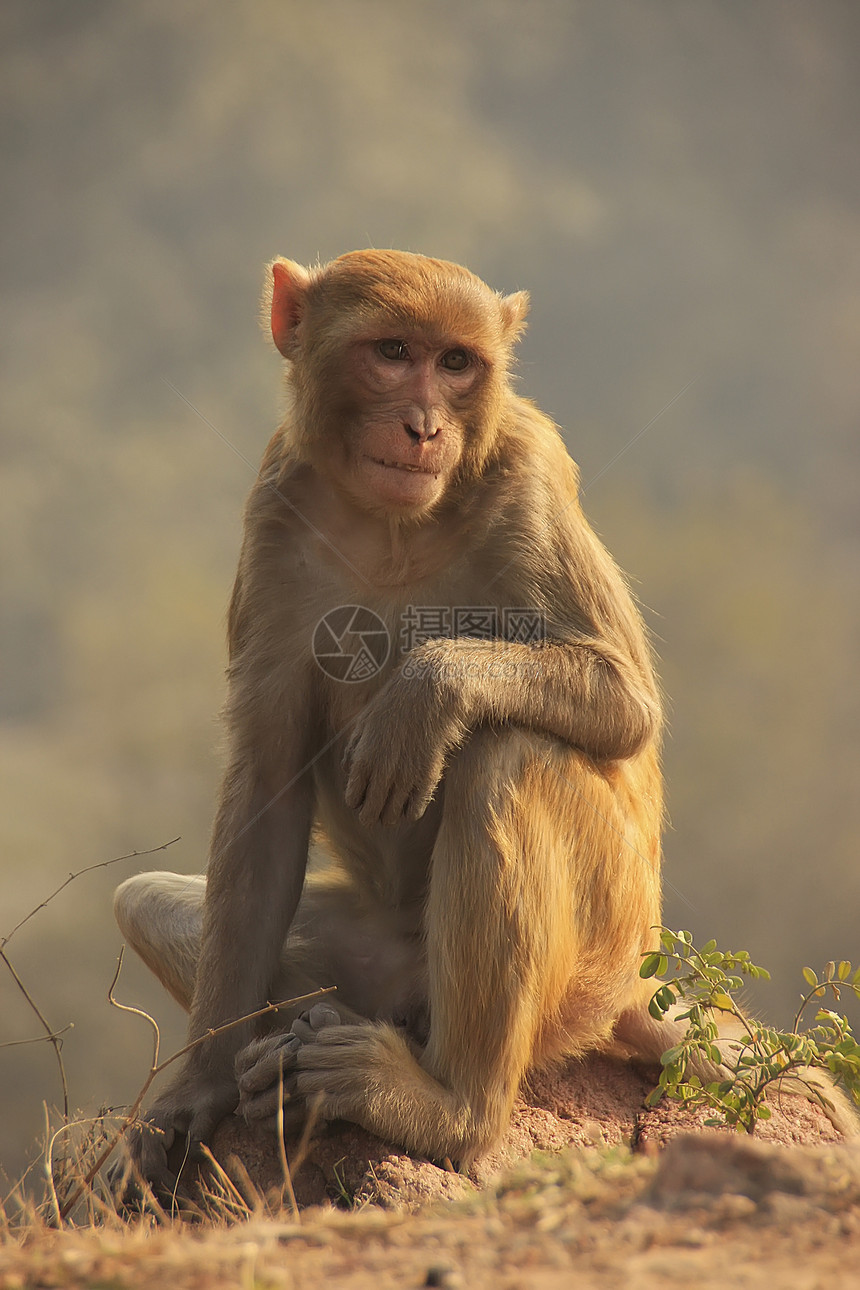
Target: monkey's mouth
[(402, 465)]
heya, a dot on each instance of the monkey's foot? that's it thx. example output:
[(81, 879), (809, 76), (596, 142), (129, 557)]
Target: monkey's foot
[(266, 1069)]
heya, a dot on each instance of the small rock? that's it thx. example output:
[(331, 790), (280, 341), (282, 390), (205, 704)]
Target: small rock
[(443, 1275)]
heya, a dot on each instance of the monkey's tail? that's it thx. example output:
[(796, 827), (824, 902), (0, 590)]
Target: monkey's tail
[(642, 1037)]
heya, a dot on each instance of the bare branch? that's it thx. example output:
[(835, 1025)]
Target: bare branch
[(282, 1147), (50, 1034), (38, 1039), (102, 864), (138, 1012), (157, 1068)]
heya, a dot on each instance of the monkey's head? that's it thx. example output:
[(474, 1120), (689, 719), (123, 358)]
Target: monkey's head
[(399, 370)]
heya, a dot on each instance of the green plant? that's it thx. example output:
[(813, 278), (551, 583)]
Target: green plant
[(751, 1055)]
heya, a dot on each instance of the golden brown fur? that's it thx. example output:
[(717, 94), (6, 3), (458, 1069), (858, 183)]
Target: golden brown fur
[(488, 810)]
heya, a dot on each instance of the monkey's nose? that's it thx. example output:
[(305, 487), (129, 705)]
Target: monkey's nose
[(421, 428)]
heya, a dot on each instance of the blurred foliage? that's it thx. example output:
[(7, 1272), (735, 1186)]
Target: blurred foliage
[(675, 184)]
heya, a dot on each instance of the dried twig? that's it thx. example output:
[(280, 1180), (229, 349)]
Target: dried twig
[(282, 1146), (50, 1034), (53, 1037), (38, 1039), (157, 1068), (102, 864)]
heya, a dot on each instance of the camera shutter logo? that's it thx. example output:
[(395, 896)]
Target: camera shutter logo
[(351, 643)]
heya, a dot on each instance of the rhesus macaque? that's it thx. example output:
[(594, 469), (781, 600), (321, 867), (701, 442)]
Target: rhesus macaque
[(486, 802)]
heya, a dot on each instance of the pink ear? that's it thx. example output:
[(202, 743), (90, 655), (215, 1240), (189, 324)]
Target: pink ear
[(514, 309), (289, 286)]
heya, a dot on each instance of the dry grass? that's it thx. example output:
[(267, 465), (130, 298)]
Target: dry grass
[(583, 1218)]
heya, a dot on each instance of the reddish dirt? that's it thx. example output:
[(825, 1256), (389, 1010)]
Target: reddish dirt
[(707, 1208), (598, 1101)]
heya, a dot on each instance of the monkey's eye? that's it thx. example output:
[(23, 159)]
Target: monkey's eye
[(395, 350), (455, 360)]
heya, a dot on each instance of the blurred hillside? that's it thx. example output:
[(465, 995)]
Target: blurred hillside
[(678, 187)]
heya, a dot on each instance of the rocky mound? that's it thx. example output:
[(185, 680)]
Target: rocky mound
[(598, 1101)]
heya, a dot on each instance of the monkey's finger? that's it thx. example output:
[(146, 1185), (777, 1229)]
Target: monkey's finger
[(417, 803), (330, 1044), (308, 1024), (256, 1107), (270, 1060), (408, 802), (349, 751), (323, 1014), (382, 802), (394, 810), (260, 1049), (302, 1030), (143, 1170), (356, 788), (260, 1106), (205, 1121), (148, 1145)]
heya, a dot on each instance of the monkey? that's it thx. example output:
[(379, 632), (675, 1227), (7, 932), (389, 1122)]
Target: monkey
[(480, 796)]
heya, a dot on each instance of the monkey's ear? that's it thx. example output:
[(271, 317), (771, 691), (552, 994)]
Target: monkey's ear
[(290, 282), (514, 309)]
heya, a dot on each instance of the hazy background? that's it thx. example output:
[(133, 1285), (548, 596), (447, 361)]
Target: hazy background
[(676, 183)]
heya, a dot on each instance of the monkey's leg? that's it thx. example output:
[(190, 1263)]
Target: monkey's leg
[(161, 917), (336, 940), (541, 895)]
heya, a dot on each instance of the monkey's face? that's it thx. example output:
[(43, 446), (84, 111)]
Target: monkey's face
[(408, 401), (399, 367)]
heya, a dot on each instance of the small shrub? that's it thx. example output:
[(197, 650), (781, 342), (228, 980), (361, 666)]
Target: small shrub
[(753, 1056)]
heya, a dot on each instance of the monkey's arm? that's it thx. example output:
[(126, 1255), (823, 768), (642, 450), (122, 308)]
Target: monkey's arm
[(590, 684), (586, 693), (254, 880), (590, 696)]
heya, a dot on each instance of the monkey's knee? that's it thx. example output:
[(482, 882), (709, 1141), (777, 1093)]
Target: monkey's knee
[(161, 917), (147, 901), (490, 764)]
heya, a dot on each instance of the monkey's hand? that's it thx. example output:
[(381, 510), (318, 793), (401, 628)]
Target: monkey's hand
[(266, 1070), (396, 754), (186, 1115)]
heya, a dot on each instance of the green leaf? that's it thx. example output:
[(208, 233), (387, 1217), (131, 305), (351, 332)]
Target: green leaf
[(844, 970), (651, 965), (809, 976), (656, 1008)]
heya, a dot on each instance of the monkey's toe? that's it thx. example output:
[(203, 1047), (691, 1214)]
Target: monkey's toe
[(307, 1026), (260, 1065)]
